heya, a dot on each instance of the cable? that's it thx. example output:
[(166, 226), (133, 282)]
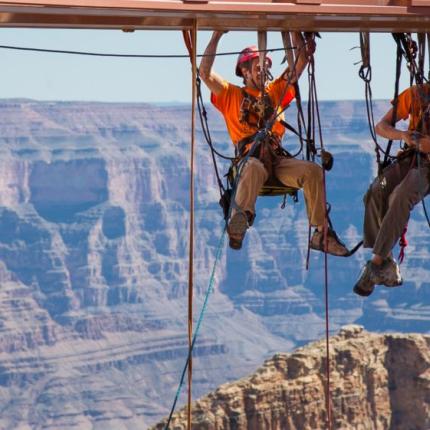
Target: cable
[(259, 137), (313, 100), (193, 38), (417, 73), (197, 329), (101, 54)]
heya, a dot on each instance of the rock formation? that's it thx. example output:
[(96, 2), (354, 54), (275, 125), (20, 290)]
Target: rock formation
[(94, 257), (377, 382)]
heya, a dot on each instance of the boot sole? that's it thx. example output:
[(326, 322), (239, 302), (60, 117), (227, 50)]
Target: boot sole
[(361, 292), (236, 230)]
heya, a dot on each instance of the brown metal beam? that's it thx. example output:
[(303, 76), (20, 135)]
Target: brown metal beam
[(317, 15)]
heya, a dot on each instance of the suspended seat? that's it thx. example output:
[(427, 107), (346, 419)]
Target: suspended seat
[(272, 187)]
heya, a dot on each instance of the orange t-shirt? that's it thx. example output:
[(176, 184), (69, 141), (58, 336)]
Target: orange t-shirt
[(229, 101), (411, 104)]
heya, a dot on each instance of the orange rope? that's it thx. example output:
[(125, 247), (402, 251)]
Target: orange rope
[(328, 399), (190, 39)]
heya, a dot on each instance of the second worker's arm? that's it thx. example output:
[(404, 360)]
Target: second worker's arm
[(385, 129)]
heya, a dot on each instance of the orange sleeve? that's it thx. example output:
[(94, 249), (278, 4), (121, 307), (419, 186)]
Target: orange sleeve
[(221, 100), (289, 96), (404, 104), (281, 93)]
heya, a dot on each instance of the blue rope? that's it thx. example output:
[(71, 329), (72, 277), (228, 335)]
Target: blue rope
[(259, 137), (199, 322)]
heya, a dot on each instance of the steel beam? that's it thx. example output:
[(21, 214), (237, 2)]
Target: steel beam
[(311, 15)]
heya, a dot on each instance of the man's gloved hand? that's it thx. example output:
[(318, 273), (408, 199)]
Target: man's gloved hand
[(310, 42)]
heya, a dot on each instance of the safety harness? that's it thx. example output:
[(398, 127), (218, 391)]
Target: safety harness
[(255, 112)]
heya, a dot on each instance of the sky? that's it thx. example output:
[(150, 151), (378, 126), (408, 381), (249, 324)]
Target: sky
[(43, 76)]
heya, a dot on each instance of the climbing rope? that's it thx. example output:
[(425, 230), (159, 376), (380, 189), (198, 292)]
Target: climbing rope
[(198, 325), (103, 54), (315, 118), (409, 49), (365, 74), (190, 43), (399, 56), (190, 38), (257, 141), (260, 136), (207, 135), (290, 57)]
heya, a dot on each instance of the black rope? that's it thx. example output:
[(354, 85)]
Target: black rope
[(102, 54), (421, 56), (301, 124), (312, 118), (279, 110), (428, 54), (408, 49), (206, 132), (315, 121), (365, 73), (399, 57)]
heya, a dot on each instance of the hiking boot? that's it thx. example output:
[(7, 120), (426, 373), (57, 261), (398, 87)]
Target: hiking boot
[(388, 274), (365, 285), (334, 244), (236, 229)]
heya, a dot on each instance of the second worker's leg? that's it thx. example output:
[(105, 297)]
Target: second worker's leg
[(382, 269), (376, 199), (410, 191)]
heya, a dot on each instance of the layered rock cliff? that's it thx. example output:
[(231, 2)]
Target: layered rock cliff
[(377, 382), (94, 257)]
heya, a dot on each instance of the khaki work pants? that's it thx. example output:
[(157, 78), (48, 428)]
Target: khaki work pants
[(292, 173), (389, 202)]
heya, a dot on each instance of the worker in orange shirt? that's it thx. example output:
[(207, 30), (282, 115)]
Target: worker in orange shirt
[(394, 193), (246, 110)]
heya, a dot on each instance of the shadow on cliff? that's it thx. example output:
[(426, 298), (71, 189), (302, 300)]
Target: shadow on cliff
[(408, 383)]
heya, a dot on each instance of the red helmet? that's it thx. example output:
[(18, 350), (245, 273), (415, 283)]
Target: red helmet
[(247, 54)]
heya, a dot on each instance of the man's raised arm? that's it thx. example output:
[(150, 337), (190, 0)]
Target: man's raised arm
[(304, 48), (214, 82)]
